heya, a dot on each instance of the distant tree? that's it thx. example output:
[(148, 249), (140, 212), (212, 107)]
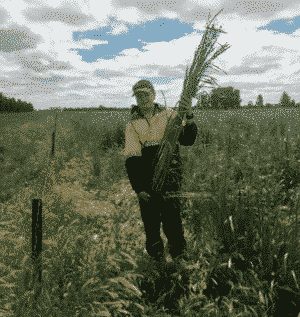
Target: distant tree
[(293, 103), (203, 101), (19, 106), (2, 101), (225, 98), (55, 108), (259, 101), (29, 107), (216, 98), (268, 105), (11, 105), (236, 100), (5, 105), (285, 100)]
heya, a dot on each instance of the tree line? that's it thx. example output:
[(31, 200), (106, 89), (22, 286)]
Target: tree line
[(11, 105), (228, 98), (100, 108), (221, 98)]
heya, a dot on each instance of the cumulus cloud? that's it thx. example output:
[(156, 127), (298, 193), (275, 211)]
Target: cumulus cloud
[(80, 54)]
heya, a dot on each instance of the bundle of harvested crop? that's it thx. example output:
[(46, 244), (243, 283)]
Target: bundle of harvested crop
[(200, 65)]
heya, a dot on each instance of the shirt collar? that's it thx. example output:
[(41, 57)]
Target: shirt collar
[(138, 114)]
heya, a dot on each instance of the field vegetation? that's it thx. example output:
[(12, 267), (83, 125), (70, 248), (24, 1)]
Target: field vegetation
[(241, 228)]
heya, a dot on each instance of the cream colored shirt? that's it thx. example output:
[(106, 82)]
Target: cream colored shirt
[(148, 134)]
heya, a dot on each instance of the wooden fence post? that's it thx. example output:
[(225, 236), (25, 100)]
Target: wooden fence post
[(37, 237)]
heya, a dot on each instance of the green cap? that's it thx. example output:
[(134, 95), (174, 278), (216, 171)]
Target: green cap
[(142, 84)]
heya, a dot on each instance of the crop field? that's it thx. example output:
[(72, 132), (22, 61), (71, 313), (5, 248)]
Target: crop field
[(241, 224)]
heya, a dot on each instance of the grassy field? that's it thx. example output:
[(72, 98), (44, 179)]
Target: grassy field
[(241, 231)]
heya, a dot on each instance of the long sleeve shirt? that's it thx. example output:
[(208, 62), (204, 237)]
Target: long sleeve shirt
[(142, 140)]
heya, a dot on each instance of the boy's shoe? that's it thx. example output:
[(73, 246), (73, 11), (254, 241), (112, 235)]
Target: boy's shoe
[(181, 262), (184, 271), (171, 304), (160, 263), (174, 312)]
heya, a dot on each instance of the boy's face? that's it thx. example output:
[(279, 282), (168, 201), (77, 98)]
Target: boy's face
[(144, 97)]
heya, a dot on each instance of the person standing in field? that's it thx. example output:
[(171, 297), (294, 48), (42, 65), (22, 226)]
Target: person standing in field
[(142, 139)]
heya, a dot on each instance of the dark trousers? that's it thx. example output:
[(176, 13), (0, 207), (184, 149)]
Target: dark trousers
[(167, 211)]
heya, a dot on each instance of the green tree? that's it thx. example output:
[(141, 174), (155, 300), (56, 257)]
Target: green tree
[(56, 108), (236, 98), (2, 101), (225, 98), (293, 103), (11, 105), (259, 101), (5, 104), (216, 99), (19, 106), (29, 107), (203, 101), (285, 100)]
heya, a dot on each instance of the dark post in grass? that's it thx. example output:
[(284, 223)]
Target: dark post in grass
[(37, 236)]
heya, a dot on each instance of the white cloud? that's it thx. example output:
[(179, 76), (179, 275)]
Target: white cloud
[(274, 54), (208, 4), (169, 14), (132, 15), (293, 10), (119, 29)]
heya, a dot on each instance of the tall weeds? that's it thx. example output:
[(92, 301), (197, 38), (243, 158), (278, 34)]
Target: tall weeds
[(243, 242)]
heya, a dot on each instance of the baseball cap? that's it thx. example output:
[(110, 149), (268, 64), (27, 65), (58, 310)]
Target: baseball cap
[(142, 84)]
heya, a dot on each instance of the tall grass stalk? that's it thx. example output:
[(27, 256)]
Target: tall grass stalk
[(200, 65), (267, 281)]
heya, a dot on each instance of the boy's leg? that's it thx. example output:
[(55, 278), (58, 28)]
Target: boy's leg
[(173, 229), (150, 214), (172, 226)]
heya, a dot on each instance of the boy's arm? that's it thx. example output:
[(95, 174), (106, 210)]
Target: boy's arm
[(189, 133), (134, 162)]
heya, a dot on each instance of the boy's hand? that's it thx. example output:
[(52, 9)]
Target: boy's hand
[(145, 196)]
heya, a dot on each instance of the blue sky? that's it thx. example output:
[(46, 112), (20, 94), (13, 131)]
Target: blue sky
[(81, 54)]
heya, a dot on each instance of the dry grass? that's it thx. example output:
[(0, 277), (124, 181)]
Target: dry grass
[(200, 65)]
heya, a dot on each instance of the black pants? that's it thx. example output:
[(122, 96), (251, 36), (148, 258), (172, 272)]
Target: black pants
[(167, 211)]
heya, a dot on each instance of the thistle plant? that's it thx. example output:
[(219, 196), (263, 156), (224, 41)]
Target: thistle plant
[(193, 76)]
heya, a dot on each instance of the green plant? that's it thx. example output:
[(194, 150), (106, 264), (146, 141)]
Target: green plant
[(242, 240), (192, 79)]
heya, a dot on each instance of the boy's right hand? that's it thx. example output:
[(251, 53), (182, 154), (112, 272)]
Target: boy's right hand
[(145, 196)]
